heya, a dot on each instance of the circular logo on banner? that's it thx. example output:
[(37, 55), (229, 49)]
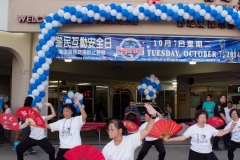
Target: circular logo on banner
[(130, 49)]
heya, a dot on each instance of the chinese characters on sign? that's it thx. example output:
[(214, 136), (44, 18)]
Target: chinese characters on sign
[(146, 48)]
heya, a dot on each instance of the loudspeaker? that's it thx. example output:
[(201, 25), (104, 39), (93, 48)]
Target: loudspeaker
[(63, 83), (191, 81)]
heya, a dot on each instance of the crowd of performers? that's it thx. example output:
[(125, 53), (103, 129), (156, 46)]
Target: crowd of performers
[(123, 145)]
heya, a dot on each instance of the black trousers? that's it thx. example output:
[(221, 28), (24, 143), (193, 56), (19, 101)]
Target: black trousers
[(61, 153), (25, 135), (232, 148), (7, 135), (29, 142), (148, 144), (201, 156), (226, 139)]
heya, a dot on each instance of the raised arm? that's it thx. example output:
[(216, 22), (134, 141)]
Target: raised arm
[(150, 124), (52, 111), (24, 125), (223, 132), (82, 110), (159, 115)]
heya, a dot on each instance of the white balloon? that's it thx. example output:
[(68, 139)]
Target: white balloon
[(150, 88), (138, 87), (141, 16), (202, 12), (207, 16), (224, 13), (113, 12), (49, 61), (191, 6), (84, 10), (44, 31), (40, 71), (55, 23), (80, 97), (228, 18), (158, 12), (102, 19), (148, 97), (41, 88), (154, 96), (197, 8), (130, 9), (119, 16), (40, 105), (154, 90), (211, 19), (135, 12), (124, 18), (48, 26), (45, 83), (45, 48), (191, 18), (36, 58), (144, 86), (152, 8), (45, 66), (78, 7), (146, 91), (35, 76), (124, 6), (41, 53), (169, 18), (152, 79), (67, 15), (60, 13), (169, 6), (212, 7), (181, 12), (146, 5), (76, 94), (60, 24), (152, 76), (68, 101), (74, 18), (101, 6), (32, 80), (50, 43), (186, 16), (157, 81), (90, 13), (175, 8), (35, 92), (50, 14), (163, 16), (219, 9), (83, 105), (40, 36), (70, 94), (107, 9), (97, 16), (79, 20), (232, 21)]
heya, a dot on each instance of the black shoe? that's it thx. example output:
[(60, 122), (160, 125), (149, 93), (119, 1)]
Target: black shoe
[(217, 149)]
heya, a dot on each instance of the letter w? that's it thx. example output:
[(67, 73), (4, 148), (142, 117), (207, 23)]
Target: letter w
[(21, 18)]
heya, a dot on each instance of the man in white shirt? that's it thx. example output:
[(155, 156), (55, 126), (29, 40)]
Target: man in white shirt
[(149, 141)]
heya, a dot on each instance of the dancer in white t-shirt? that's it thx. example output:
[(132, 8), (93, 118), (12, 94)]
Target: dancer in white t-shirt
[(122, 147), (235, 139), (37, 137), (69, 128), (201, 133)]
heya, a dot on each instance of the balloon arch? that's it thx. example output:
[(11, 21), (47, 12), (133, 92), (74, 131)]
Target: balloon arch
[(113, 12)]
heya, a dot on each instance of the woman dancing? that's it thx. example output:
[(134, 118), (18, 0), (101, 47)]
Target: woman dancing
[(122, 147), (201, 133), (235, 139), (37, 137)]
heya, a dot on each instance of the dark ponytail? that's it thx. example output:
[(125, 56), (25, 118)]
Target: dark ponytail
[(28, 101), (119, 125)]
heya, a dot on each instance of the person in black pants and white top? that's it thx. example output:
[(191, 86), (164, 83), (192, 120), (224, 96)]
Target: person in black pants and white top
[(201, 133), (235, 139), (37, 136), (69, 128), (149, 141)]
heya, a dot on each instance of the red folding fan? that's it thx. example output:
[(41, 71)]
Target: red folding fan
[(84, 152), (131, 126), (9, 122), (216, 122), (27, 112), (165, 129)]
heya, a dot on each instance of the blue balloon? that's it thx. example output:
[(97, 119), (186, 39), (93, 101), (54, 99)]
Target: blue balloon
[(79, 14), (222, 20), (37, 65), (34, 70), (119, 8), (164, 8), (81, 101), (77, 109), (65, 98), (85, 18), (113, 19), (238, 27), (141, 9), (60, 110), (72, 10), (175, 16), (34, 103), (153, 84), (180, 5), (42, 25), (90, 7), (42, 42), (38, 99), (186, 8), (141, 90), (42, 94), (29, 91), (213, 13), (46, 72), (151, 93), (52, 32), (218, 17), (130, 17), (230, 11), (33, 86), (48, 54), (235, 15), (108, 16), (224, 7), (158, 87), (158, 6), (125, 12), (52, 49), (202, 5), (147, 12), (62, 20), (192, 12), (144, 80), (148, 82), (49, 19), (47, 37), (113, 5), (91, 20), (180, 19), (102, 13), (135, 19), (38, 48), (197, 16), (201, 19), (157, 19), (69, 21), (152, 16), (38, 82), (237, 22), (42, 60), (56, 28), (96, 9), (56, 17), (170, 12), (66, 9), (129, 5), (43, 77), (208, 9)]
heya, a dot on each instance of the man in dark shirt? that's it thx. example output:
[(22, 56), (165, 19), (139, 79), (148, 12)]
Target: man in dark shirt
[(131, 112), (219, 112)]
